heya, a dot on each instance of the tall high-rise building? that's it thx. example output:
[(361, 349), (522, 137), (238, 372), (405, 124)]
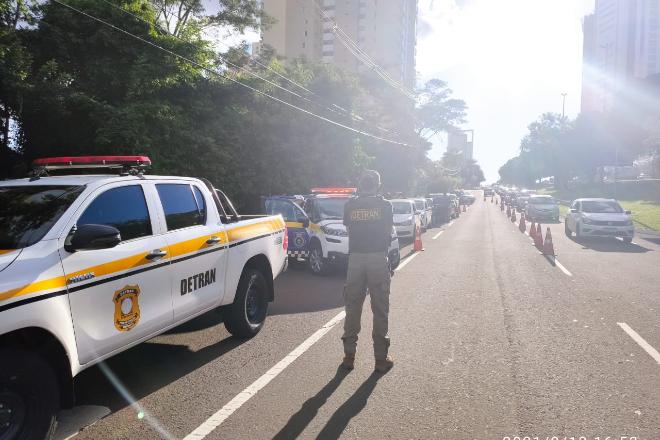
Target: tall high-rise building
[(620, 47), (352, 34)]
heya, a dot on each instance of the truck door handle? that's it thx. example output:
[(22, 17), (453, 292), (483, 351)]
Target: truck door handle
[(213, 240), (156, 254)]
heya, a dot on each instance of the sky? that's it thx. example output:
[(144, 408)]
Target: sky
[(510, 60)]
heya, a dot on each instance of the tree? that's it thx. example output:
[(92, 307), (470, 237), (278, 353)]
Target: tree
[(190, 17), (437, 111), (14, 66)]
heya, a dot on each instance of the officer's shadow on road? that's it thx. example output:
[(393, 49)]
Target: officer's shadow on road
[(342, 416)]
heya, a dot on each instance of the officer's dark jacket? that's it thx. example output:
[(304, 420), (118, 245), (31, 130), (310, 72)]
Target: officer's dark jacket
[(369, 223)]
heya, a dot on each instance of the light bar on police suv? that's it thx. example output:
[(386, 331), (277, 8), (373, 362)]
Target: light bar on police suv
[(334, 190), (92, 162)]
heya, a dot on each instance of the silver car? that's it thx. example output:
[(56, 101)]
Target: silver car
[(542, 208), (599, 218)]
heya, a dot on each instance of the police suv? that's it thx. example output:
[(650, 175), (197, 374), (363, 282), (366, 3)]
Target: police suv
[(316, 231), (91, 265)]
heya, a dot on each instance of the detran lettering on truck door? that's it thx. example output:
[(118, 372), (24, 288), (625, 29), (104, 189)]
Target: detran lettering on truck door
[(197, 243), (296, 222)]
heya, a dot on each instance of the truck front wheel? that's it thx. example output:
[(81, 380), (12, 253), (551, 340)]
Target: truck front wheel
[(29, 396), (246, 316)]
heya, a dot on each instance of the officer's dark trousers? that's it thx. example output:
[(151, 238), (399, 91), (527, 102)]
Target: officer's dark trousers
[(370, 271)]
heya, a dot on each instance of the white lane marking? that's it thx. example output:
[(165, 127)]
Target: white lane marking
[(438, 234), (406, 261), (216, 419), (640, 341), (563, 269)]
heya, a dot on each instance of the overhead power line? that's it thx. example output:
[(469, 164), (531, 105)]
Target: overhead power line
[(362, 56), (220, 74), (332, 107)]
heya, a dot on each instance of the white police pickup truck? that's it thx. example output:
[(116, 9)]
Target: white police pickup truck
[(91, 265)]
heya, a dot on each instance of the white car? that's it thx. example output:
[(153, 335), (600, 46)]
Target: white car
[(404, 217), (328, 237), (424, 210), (599, 218), (94, 264)]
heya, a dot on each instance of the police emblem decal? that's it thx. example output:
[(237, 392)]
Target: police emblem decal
[(299, 240), (127, 308)]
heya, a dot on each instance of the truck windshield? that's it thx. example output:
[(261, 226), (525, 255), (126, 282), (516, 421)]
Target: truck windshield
[(331, 208), (28, 212)]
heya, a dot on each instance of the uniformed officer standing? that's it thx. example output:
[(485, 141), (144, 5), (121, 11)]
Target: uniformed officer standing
[(369, 221)]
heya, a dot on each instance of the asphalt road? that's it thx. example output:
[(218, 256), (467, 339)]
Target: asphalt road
[(490, 340)]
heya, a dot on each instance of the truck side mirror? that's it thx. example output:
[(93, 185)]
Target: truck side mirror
[(574, 211), (93, 237)]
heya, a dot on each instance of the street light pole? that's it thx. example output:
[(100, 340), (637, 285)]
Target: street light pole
[(563, 105)]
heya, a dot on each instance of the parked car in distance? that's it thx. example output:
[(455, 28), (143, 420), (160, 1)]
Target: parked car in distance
[(404, 217), (456, 205), (443, 209), (599, 218), (542, 207), (424, 211)]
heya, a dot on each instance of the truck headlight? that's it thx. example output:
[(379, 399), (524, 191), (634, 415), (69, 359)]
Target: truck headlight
[(336, 232), (586, 221), (408, 222)]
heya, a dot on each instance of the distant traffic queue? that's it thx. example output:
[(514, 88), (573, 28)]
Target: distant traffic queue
[(317, 235)]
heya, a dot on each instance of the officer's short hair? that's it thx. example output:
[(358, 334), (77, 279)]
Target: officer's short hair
[(369, 182)]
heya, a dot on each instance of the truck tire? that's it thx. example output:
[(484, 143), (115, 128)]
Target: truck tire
[(245, 317), (29, 396)]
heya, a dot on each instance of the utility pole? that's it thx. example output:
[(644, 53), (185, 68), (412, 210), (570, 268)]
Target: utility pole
[(563, 105)]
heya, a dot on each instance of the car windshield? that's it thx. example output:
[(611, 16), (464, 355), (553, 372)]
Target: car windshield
[(331, 208), (401, 208), (419, 205), (541, 201), (601, 207), (28, 212)]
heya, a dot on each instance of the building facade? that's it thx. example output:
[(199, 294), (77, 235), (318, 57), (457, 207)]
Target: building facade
[(620, 48), (356, 35)]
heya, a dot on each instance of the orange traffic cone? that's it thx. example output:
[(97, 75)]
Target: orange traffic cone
[(418, 246), (538, 237), (522, 226), (513, 216), (548, 248), (532, 229)]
